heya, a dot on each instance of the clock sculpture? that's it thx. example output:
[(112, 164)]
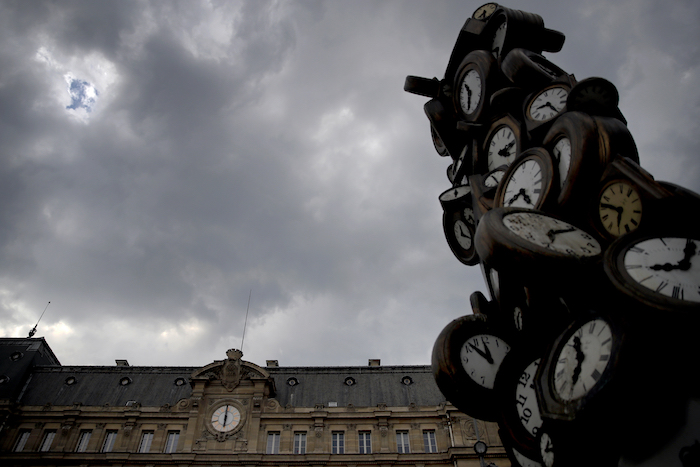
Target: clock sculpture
[(593, 266)]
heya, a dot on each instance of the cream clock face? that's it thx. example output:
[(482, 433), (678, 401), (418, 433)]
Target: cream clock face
[(667, 266), (482, 356), (548, 104), (225, 418), (470, 92), (562, 158), (502, 148), (583, 360), (463, 234), (524, 187), (551, 233)]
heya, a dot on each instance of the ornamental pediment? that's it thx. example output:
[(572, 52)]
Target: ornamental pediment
[(230, 372)]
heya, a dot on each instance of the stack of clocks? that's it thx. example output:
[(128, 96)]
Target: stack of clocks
[(583, 354)]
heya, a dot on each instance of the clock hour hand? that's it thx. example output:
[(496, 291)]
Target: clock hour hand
[(486, 353), (580, 356), (504, 152), (553, 233)]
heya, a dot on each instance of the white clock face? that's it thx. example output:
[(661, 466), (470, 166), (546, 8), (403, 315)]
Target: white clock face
[(499, 37), (456, 193), (551, 233), (225, 418), (494, 178), (482, 356), (485, 11), (469, 216), (548, 104), (524, 186), (470, 92), (547, 450), (526, 399), (583, 359), (502, 148), (669, 266), (562, 158), (463, 234)]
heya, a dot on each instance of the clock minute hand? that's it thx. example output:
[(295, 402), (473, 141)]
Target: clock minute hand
[(553, 233), (689, 251), (486, 353)]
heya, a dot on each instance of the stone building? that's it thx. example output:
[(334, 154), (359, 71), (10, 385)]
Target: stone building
[(229, 412)]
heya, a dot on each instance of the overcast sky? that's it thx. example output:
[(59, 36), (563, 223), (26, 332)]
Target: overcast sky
[(160, 161)]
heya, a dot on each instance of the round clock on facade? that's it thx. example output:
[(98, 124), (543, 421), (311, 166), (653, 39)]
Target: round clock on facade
[(502, 144), (466, 358), (528, 181), (619, 207), (534, 244), (662, 271), (473, 82), (225, 418)]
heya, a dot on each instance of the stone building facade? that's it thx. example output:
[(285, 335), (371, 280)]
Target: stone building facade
[(229, 412)]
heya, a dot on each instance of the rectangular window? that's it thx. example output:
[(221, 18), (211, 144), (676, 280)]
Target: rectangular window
[(273, 442), (338, 446), (83, 441), (146, 440), (429, 441), (46, 442), (110, 438), (171, 441), (365, 442), (402, 444), (21, 440), (299, 443)]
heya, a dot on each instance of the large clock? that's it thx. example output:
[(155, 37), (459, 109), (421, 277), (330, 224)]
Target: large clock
[(226, 418), (466, 358), (475, 81)]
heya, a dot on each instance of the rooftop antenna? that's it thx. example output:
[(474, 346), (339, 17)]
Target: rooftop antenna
[(246, 318), (33, 331)]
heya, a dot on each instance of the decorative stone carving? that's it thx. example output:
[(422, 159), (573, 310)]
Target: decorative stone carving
[(231, 370)]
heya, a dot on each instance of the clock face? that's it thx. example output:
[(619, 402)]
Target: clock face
[(524, 185), (526, 399), (552, 234), (562, 159), (502, 147), (482, 356), (469, 216), (666, 266), (547, 450), (620, 208), (548, 104), (470, 92), (494, 177), (484, 12), (499, 38), (583, 359), (225, 418), (455, 193), (463, 234)]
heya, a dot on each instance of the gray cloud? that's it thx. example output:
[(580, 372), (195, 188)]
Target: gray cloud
[(263, 146)]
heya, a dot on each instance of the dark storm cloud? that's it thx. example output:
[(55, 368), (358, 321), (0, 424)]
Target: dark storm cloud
[(264, 146)]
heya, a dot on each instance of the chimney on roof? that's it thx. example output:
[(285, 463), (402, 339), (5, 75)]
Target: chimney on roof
[(122, 362), (272, 364), (375, 362)]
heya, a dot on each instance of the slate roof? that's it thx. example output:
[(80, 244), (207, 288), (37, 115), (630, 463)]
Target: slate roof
[(156, 386)]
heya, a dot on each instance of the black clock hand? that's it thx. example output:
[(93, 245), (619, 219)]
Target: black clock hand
[(469, 96), (580, 356), (461, 232), (486, 353), (225, 416), (515, 197), (552, 233), (505, 150), (689, 251)]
